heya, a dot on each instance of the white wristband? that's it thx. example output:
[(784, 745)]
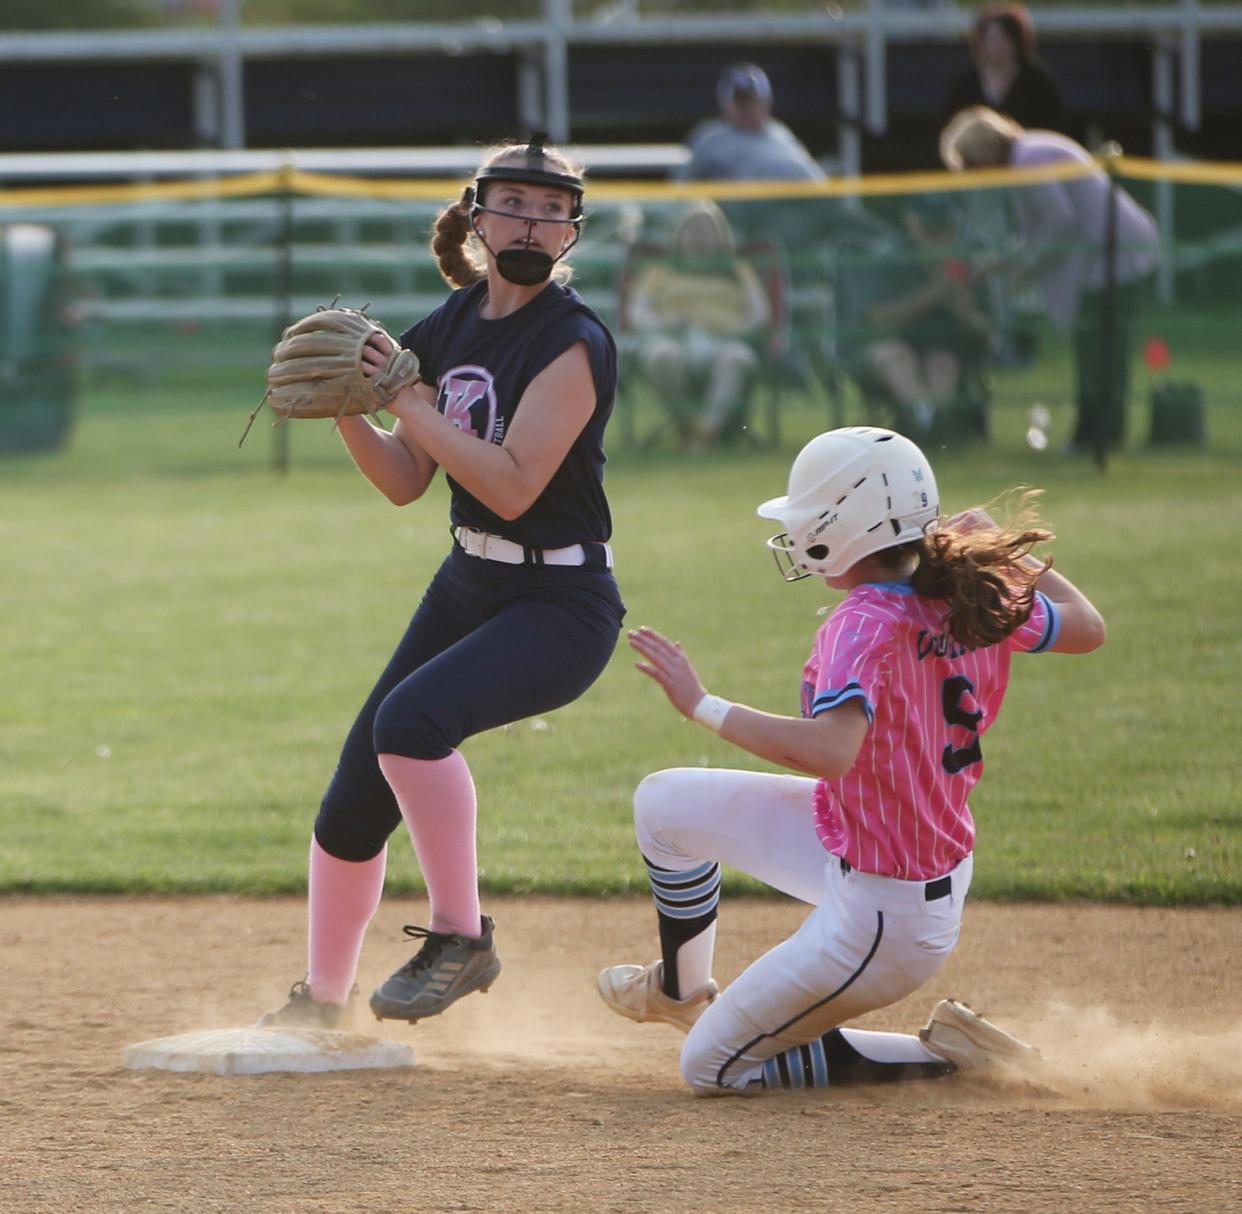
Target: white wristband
[(711, 711)]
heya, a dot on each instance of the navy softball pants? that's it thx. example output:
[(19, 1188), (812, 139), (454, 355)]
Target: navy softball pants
[(489, 644)]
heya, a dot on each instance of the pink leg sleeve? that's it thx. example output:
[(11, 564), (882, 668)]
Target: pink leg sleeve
[(344, 895), (437, 801)]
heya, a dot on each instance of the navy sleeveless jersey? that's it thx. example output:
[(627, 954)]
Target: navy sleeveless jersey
[(482, 367)]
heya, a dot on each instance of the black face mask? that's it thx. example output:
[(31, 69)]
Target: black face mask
[(524, 267), (529, 265)]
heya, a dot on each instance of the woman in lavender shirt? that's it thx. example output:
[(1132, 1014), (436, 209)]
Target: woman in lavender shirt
[(1063, 247)]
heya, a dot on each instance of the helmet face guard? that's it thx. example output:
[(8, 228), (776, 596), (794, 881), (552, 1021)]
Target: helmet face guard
[(786, 557), (528, 265), (852, 492)]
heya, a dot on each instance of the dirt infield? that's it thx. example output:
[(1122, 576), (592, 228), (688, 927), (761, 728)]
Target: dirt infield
[(536, 1098)]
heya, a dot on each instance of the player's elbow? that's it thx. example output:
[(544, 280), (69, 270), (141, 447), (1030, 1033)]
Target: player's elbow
[(833, 767), (1097, 632), (825, 763), (510, 491), (511, 508), (512, 501), (402, 493), (1084, 632), (1092, 631)]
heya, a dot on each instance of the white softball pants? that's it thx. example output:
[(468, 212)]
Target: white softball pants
[(868, 942)]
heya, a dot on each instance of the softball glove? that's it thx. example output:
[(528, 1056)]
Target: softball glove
[(317, 369)]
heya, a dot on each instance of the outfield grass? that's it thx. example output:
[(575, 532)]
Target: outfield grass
[(188, 637)]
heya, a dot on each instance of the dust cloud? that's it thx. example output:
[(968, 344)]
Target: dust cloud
[(1095, 1060)]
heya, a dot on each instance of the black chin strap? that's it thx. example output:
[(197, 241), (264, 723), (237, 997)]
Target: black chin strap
[(525, 263)]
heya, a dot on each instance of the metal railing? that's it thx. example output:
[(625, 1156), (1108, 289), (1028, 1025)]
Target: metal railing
[(1175, 30)]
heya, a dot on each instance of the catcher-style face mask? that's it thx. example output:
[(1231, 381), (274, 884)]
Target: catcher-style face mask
[(527, 265)]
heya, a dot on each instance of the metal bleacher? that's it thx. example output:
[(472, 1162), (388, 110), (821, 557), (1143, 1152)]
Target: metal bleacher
[(255, 259)]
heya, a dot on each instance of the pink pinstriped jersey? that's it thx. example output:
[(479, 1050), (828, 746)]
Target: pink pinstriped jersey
[(901, 810)]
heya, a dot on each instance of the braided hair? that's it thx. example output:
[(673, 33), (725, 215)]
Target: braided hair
[(459, 265)]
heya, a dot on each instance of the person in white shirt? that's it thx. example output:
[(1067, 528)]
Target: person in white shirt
[(746, 143)]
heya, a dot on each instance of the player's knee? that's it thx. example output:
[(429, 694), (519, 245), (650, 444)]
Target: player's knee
[(410, 731), (700, 1066), (358, 811), (695, 1065), (347, 837), (651, 799), (707, 1073)]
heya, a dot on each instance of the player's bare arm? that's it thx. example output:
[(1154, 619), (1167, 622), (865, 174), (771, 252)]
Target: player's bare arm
[(507, 479), (398, 469), (1082, 626), (390, 460), (826, 745)]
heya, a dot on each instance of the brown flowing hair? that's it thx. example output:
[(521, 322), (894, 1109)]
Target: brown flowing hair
[(452, 234), (982, 576)]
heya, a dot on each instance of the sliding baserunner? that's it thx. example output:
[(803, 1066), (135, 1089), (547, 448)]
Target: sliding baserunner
[(905, 675)]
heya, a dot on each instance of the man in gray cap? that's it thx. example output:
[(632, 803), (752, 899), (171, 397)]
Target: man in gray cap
[(746, 143)]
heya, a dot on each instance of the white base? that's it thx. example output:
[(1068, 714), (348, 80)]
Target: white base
[(258, 1051)]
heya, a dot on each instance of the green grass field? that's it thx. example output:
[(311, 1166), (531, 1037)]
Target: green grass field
[(188, 636)]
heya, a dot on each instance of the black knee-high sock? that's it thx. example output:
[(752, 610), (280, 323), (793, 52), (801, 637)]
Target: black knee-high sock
[(686, 904)]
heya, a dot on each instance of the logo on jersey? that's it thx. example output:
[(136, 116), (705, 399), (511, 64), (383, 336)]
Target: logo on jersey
[(468, 399), (937, 644)]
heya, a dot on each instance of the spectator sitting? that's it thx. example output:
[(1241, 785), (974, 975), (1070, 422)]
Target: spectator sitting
[(928, 327), (695, 314), (1063, 229), (1007, 73), (746, 143)]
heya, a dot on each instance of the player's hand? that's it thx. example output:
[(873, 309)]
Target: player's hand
[(974, 519), (376, 352), (375, 356), (665, 661)]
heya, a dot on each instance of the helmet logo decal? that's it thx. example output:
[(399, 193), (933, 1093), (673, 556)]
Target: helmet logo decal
[(816, 532)]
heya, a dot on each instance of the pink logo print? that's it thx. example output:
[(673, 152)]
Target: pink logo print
[(468, 400)]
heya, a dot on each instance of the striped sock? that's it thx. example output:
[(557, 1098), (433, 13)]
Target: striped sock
[(831, 1061), (686, 903)]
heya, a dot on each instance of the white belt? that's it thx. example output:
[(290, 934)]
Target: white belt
[(497, 548)]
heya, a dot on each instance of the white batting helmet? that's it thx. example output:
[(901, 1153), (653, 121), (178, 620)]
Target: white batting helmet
[(852, 492)]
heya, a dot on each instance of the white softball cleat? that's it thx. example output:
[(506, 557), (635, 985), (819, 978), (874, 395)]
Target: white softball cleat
[(637, 993), (972, 1043)]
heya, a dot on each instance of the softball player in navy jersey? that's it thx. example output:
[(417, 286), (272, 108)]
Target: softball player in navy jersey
[(518, 377), (905, 675)]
